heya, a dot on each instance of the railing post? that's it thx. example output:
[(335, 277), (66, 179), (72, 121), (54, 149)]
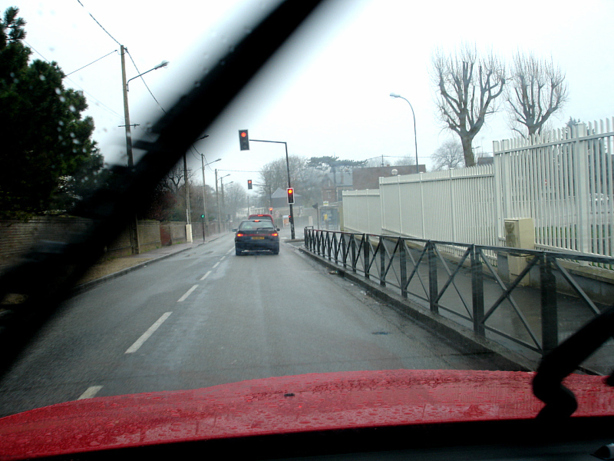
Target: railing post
[(550, 330), (353, 240), (432, 263), (382, 260), (403, 263), (365, 243), (336, 247), (344, 251), (477, 292)]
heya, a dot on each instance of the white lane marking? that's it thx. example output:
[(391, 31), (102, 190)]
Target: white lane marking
[(139, 342), (206, 275), (215, 265), (230, 251), (222, 258), (90, 392), (187, 293)]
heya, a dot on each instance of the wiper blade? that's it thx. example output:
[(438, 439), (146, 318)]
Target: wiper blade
[(48, 274), (563, 360)]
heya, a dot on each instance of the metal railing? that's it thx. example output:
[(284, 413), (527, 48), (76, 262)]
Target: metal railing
[(523, 309)]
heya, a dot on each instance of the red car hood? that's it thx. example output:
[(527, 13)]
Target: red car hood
[(293, 404)]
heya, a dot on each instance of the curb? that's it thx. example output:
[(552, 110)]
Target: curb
[(89, 285)]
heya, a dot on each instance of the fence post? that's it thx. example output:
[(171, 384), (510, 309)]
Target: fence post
[(403, 264), (336, 247), (583, 232), (343, 251), (477, 292), (432, 263), (365, 242), (550, 330), (353, 240), (382, 261)]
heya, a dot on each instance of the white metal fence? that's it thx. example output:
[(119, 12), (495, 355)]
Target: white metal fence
[(362, 211), (564, 180)]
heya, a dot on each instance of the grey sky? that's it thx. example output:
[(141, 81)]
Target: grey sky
[(328, 92)]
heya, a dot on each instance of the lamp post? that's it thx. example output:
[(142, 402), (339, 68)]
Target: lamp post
[(202, 158), (217, 198), (126, 110), (394, 95), (223, 197)]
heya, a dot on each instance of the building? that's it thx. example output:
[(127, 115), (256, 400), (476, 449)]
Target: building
[(368, 178)]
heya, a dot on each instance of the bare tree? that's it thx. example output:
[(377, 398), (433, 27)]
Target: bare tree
[(468, 87), (235, 198), (448, 156), (537, 90), (407, 160)]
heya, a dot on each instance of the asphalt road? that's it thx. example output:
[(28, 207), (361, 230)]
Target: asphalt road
[(207, 317)]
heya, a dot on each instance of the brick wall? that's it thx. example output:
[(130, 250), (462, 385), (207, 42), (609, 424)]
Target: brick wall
[(19, 237)]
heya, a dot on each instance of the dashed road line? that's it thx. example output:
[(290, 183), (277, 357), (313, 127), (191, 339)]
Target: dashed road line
[(90, 392), (139, 342), (215, 265), (205, 276), (187, 293)]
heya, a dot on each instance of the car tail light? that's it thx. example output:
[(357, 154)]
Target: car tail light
[(274, 234), (240, 235)]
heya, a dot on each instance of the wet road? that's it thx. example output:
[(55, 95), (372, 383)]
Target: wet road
[(208, 317)]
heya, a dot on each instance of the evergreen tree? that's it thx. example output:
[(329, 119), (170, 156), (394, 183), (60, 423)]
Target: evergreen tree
[(47, 159)]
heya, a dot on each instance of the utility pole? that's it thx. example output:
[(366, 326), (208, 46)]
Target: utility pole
[(202, 158), (217, 199), (188, 224), (133, 224)]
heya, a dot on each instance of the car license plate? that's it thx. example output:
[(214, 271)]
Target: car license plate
[(257, 238)]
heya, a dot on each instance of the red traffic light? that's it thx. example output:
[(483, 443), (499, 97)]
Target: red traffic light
[(290, 196), (243, 140), (249, 184)]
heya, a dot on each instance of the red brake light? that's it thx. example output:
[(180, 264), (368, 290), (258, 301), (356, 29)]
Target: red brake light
[(240, 235), (274, 234)]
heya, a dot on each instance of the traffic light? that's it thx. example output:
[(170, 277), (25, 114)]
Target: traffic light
[(243, 140), (249, 183), (290, 196)]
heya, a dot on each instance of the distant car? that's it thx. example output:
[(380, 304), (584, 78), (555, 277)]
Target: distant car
[(261, 217), (257, 235)]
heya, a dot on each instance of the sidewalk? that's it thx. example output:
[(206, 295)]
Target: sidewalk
[(116, 267)]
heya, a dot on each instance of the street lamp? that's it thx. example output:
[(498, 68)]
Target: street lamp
[(202, 158), (223, 197), (217, 198), (126, 111), (394, 95)]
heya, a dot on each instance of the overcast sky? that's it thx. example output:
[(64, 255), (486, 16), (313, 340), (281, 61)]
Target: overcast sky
[(328, 91)]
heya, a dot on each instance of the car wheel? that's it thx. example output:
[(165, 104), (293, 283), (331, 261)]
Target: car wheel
[(276, 251), (238, 252)]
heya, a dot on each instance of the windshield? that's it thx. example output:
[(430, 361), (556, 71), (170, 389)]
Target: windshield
[(245, 225), (441, 175)]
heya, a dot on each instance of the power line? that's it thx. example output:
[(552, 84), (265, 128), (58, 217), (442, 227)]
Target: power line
[(96, 21), (114, 51), (104, 106)]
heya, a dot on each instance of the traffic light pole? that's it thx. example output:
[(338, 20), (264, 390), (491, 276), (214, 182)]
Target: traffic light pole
[(293, 235)]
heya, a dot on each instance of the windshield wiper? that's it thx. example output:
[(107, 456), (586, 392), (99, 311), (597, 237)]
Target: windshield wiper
[(564, 360), (47, 274)]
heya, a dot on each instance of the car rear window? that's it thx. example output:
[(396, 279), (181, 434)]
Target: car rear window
[(247, 225)]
